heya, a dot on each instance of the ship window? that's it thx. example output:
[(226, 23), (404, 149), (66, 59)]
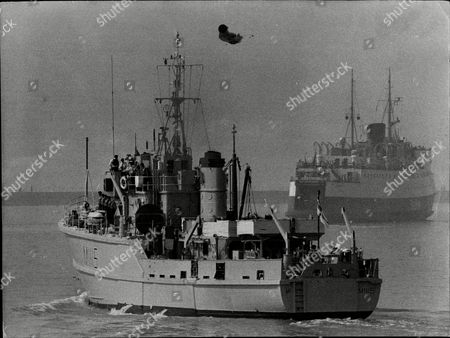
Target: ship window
[(183, 274), (95, 258), (260, 274), (172, 276), (205, 248), (220, 271), (245, 277), (205, 277), (108, 185), (152, 275), (317, 273), (194, 269), (162, 276)]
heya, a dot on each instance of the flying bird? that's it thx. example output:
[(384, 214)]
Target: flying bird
[(227, 36)]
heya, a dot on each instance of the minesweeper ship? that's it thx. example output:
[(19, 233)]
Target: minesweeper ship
[(366, 177), (163, 238)]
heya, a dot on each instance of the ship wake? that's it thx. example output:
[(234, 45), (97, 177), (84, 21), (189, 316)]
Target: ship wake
[(121, 311), (372, 325), (330, 322), (55, 305)]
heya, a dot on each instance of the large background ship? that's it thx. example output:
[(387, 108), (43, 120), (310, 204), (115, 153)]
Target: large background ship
[(193, 254), (366, 176)]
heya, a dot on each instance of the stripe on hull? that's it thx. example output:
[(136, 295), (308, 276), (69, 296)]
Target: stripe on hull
[(173, 311)]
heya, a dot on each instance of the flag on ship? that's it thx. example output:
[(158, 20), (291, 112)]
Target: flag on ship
[(136, 152), (347, 224), (320, 213)]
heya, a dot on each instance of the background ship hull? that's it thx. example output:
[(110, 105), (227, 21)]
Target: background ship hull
[(366, 199), (373, 209)]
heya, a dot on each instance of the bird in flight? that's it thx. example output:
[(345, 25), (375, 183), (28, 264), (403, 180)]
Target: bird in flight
[(227, 36)]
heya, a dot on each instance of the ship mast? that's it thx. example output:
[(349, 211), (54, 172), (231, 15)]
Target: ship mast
[(234, 192), (112, 102), (351, 123), (351, 114), (88, 178), (86, 191), (175, 146), (390, 109)]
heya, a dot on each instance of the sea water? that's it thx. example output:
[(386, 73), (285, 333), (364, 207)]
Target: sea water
[(44, 299)]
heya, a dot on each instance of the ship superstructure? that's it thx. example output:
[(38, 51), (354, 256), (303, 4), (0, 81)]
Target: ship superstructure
[(165, 236), (366, 176)]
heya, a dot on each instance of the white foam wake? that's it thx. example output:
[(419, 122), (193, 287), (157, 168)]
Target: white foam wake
[(120, 312), (156, 316), (42, 307)]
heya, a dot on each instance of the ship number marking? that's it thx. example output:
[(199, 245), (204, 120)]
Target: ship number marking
[(366, 290)]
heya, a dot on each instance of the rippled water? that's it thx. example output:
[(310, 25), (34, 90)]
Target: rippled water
[(45, 300)]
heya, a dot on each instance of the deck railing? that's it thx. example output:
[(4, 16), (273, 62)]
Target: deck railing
[(153, 183)]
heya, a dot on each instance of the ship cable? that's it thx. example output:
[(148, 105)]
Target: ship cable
[(204, 125)]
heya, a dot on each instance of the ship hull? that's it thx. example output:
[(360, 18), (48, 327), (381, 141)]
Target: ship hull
[(373, 209), (155, 284), (173, 311), (368, 198)]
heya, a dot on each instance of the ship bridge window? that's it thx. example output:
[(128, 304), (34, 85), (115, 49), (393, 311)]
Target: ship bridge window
[(108, 185), (220, 271), (205, 248)]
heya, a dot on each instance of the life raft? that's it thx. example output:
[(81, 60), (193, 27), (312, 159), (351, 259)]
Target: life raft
[(123, 182)]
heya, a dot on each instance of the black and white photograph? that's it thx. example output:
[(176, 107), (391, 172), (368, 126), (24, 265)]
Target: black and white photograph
[(225, 168)]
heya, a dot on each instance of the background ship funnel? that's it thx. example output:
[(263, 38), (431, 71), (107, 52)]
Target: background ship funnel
[(376, 133)]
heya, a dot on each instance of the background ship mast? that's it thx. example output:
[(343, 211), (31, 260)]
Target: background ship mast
[(390, 110), (351, 123)]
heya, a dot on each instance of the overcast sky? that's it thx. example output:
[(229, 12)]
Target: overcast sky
[(286, 47)]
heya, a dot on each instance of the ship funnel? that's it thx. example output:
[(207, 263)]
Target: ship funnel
[(213, 196)]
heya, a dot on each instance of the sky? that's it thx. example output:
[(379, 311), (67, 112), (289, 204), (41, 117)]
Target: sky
[(56, 80)]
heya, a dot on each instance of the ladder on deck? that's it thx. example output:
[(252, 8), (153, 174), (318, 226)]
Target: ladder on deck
[(299, 297)]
